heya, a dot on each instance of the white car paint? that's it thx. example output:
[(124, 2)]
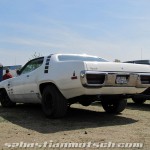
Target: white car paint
[(66, 75)]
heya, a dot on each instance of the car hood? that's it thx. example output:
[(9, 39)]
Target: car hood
[(117, 67)]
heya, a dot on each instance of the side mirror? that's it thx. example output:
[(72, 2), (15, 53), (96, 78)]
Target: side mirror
[(18, 72)]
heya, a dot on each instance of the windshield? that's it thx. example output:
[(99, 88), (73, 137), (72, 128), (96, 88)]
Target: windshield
[(80, 58)]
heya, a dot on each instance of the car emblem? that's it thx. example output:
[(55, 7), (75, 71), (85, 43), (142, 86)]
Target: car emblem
[(74, 76)]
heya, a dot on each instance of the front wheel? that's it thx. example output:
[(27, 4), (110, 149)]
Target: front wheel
[(5, 100), (54, 105), (114, 106)]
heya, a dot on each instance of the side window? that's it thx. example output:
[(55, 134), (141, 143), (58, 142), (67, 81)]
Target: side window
[(32, 65)]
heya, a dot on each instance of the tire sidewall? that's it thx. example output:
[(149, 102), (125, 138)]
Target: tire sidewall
[(54, 103), (48, 110)]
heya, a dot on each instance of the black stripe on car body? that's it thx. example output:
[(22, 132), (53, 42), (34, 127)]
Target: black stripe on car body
[(47, 64)]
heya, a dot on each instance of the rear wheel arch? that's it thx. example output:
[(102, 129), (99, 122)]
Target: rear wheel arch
[(54, 104), (42, 86)]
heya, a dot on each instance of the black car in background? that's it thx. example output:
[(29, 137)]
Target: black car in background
[(141, 98), (144, 62)]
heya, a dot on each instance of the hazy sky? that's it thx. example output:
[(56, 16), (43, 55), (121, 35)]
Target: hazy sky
[(107, 28)]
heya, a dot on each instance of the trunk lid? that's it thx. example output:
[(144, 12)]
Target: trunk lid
[(117, 67)]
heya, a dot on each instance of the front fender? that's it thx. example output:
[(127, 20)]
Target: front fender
[(4, 84)]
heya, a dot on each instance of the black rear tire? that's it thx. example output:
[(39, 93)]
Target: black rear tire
[(139, 100), (54, 105), (5, 100), (114, 106)]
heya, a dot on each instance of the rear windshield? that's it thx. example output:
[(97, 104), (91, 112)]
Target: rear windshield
[(80, 58)]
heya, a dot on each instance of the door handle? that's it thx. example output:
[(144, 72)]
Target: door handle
[(28, 76)]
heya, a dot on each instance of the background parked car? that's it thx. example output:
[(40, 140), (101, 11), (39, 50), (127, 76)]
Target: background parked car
[(144, 62), (140, 99)]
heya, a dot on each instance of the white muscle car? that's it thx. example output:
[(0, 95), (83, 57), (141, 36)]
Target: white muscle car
[(59, 80)]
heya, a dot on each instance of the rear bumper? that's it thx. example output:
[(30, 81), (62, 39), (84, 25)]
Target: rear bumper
[(74, 92), (114, 91), (109, 79)]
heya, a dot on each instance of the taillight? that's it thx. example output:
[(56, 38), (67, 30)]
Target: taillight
[(145, 79), (95, 78)]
